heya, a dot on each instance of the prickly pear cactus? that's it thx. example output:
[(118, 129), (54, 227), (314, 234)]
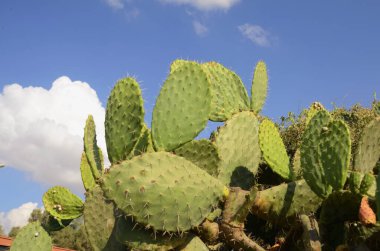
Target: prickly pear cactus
[(228, 94), (32, 237), (166, 190), (238, 145), (62, 204), (124, 119), (182, 108), (86, 173), (202, 153), (259, 87), (273, 149), (368, 152), (158, 190), (93, 153)]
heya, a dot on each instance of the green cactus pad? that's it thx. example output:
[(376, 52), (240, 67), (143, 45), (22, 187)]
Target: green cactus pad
[(182, 108), (144, 143), (159, 189), (273, 149), (368, 152), (32, 237), (177, 64), (259, 87), (284, 201), (238, 146), (86, 173), (228, 93), (311, 156), (202, 153), (137, 237), (296, 165), (335, 150), (314, 108), (194, 244), (124, 119), (51, 224), (367, 182), (62, 204), (93, 152), (354, 182), (99, 221)]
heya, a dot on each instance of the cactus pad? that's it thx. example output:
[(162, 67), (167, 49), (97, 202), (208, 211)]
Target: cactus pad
[(62, 204), (368, 152), (138, 238), (124, 119), (177, 64), (144, 143), (182, 108), (194, 244), (93, 152), (238, 146), (259, 87), (367, 182), (99, 220), (228, 93), (86, 173), (354, 182), (273, 149), (284, 201), (310, 154), (32, 237), (202, 153), (159, 189), (335, 150)]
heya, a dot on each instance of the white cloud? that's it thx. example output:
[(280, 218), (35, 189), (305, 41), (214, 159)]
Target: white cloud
[(41, 130), (17, 217), (199, 28), (256, 34), (205, 5), (115, 4)]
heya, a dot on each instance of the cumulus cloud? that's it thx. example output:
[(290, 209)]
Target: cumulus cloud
[(199, 28), (41, 130), (256, 34), (17, 217), (205, 5), (115, 4)]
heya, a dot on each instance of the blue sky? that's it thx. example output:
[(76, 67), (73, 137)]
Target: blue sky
[(315, 50)]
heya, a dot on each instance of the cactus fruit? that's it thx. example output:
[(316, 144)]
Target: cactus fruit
[(99, 221), (273, 149), (202, 153), (32, 237), (93, 152), (228, 94), (86, 173), (259, 87), (158, 190), (335, 155), (182, 107), (62, 204), (368, 151), (313, 171), (238, 146), (124, 119)]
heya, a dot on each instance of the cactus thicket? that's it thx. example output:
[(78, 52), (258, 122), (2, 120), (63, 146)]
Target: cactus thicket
[(168, 190)]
